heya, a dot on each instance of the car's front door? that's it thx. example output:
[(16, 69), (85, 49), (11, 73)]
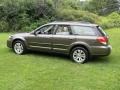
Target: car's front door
[(62, 38), (42, 39)]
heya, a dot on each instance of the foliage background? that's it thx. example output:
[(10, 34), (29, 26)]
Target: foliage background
[(26, 15)]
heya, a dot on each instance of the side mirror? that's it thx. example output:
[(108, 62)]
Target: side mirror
[(33, 33)]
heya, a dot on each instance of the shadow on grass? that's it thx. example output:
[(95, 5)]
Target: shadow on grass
[(64, 57), (104, 59), (50, 55)]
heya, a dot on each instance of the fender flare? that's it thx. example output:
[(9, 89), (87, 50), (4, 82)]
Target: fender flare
[(82, 44), (20, 38)]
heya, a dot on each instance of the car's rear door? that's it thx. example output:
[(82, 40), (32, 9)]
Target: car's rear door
[(62, 38)]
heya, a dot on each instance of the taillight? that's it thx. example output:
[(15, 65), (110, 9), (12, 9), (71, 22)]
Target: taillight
[(103, 40)]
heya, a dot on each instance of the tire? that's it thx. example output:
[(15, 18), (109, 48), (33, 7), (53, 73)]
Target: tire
[(76, 53), (19, 47)]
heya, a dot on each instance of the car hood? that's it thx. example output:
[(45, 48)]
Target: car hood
[(21, 34)]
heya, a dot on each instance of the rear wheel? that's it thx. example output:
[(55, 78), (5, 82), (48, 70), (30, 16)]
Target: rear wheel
[(79, 55), (19, 47)]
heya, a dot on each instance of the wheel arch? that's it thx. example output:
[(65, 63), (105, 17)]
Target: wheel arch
[(19, 39), (80, 45)]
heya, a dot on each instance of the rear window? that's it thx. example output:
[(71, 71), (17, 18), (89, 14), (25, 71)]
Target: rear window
[(83, 30)]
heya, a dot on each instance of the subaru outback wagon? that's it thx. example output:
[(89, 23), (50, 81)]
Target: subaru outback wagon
[(79, 40)]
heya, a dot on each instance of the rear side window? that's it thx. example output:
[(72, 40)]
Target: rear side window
[(101, 31), (62, 30), (83, 30)]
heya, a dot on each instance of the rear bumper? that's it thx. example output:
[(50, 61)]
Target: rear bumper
[(101, 50)]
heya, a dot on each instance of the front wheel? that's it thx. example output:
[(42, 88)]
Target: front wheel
[(79, 55), (19, 47)]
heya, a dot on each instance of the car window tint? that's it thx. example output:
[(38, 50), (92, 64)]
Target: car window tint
[(82, 30), (62, 30)]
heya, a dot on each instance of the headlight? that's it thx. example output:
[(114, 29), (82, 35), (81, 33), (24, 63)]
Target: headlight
[(10, 37)]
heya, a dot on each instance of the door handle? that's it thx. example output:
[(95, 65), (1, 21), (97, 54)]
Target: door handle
[(71, 38)]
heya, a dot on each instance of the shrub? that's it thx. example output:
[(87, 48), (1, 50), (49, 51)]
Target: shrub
[(110, 21), (19, 15), (4, 26), (77, 15), (34, 25)]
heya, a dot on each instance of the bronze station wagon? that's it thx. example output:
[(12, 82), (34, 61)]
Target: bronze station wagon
[(80, 40)]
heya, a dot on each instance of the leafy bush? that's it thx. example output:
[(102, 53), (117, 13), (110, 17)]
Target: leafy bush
[(34, 25), (4, 27), (16, 15), (77, 15), (110, 21), (102, 7)]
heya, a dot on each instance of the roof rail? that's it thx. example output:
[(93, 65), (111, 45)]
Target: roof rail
[(85, 22), (75, 21)]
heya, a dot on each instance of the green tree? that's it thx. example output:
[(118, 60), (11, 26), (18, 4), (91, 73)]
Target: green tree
[(103, 7)]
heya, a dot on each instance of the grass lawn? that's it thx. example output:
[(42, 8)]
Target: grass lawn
[(53, 72)]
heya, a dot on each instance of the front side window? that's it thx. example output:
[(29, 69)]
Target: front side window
[(45, 30), (83, 30), (62, 30)]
